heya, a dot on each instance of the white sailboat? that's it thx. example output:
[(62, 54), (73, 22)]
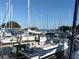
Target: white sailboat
[(40, 50)]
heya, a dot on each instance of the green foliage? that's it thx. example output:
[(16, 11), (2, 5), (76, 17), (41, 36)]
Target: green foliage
[(25, 29), (77, 27), (10, 24), (33, 28), (65, 28)]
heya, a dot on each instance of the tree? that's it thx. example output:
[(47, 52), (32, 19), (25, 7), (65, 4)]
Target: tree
[(33, 28), (10, 24), (77, 27), (64, 28), (25, 29)]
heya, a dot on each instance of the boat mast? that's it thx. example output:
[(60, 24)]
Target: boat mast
[(47, 23), (1, 20), (36, 22), (1, 15), (29, 24), (60, 21), (6, 16), (41, 20), (11, 15), (73, 30)]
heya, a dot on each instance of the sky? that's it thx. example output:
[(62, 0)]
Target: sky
[(43, 13)]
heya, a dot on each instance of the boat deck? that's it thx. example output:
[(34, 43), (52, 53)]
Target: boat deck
[(76, 55), (1, 57), (5, 57), (42, 52)]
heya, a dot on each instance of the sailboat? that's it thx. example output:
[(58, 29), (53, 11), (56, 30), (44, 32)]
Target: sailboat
[(39, 49), (33, 46)]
